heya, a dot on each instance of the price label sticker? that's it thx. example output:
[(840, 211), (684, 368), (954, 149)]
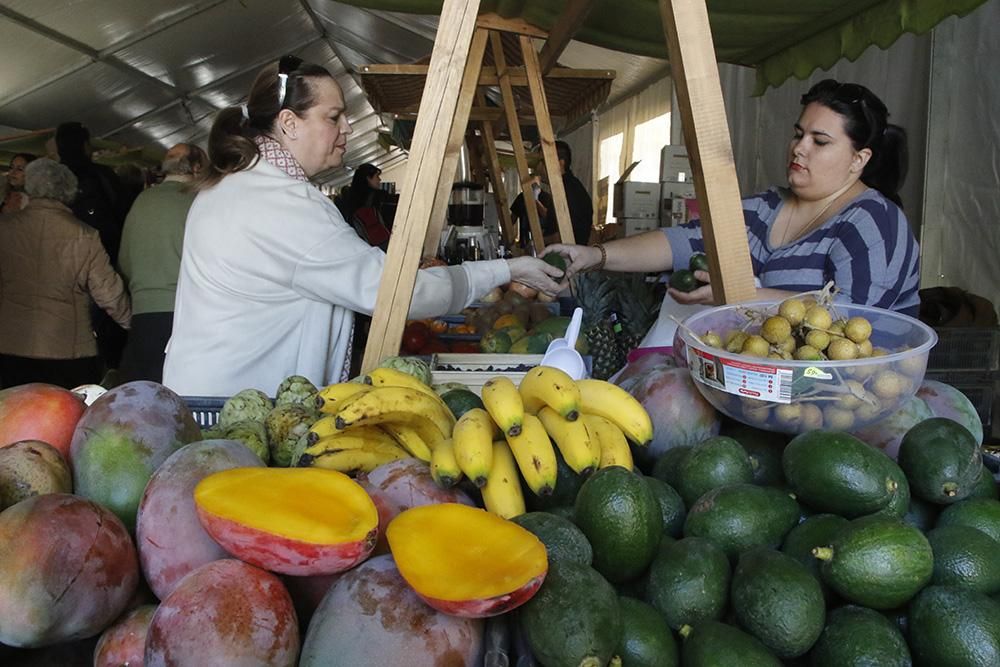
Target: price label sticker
[(752, 380)]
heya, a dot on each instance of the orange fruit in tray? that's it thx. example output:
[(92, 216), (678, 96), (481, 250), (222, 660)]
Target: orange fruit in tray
[(508, 320), (438, 326)]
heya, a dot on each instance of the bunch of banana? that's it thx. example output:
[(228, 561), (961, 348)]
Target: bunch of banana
[(391, 416), (610, 401)]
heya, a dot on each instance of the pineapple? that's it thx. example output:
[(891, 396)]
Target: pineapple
[(639, 307), (595, 293)]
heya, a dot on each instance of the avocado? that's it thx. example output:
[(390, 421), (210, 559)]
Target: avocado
[(562, 539), (921, 514), (671, 506), (954, 626), (778, 601), (877, 562), (712, 463), (698, 262), (621, 518), (556, 260), (816, 531), (573, 617), (646, 638), (981, 513), (965, 557), (856, 636), (683, 280), (460, 401), (668, 466), (764, 449), (942, 460), (986, 486), (689, 581), (740, 516), (714, 644), (899, 504), (835, 472)]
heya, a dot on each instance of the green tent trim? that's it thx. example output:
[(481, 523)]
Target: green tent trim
[(779, 38)]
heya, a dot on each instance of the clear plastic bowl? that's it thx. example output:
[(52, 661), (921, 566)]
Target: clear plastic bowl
[(798, 396)]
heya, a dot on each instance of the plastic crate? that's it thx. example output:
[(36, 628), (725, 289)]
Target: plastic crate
[(980, 387), (205, 409), (965, 348)]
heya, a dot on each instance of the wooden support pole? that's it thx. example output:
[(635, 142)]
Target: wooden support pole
[(573, 15), (706, 132), (438, 107), (547, 138), (510, 107), (495, 174), (470, 80)]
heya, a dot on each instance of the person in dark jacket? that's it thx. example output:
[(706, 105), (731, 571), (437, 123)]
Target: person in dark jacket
[(581, 207)]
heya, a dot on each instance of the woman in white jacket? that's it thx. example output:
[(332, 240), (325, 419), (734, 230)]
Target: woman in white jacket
[(271, 274)]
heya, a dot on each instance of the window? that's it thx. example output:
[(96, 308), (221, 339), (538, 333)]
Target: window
[(650, 138), (610, 167)]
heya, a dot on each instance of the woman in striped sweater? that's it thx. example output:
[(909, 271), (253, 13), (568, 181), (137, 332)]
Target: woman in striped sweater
[(839, 219)]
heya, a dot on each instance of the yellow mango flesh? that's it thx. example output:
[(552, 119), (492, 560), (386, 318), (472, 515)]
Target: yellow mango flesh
[(455, 552), (310, 505)]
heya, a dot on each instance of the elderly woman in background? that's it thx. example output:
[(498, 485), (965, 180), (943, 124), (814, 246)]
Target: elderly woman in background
[(51, 266), (15, 199)]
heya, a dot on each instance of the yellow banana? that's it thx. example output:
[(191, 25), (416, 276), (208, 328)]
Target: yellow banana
[(352, 439), (332, 398), (503, 402), (502, 493), (534, 455), (545, 385), (324, 427), (408, 438), (390, 377), (393, 404), (473, 441), (614, 446), (444, 467), (353, 461), (573, 441), (617, 405)]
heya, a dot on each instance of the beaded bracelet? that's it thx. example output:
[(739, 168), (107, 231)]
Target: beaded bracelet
[(604, 257)]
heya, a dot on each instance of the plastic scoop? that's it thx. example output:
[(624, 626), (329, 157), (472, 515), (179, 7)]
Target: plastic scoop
[(561, 353)]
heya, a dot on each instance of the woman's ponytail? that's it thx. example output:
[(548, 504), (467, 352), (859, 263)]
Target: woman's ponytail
[(230, 149), (886, 170)]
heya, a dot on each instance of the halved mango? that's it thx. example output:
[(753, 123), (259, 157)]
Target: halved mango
[(465, 561), (296, 521)]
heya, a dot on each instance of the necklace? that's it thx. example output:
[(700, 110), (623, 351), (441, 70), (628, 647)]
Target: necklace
[(808, 227)]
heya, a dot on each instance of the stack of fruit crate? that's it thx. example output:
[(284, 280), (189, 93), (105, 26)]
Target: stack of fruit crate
[(968, 358)]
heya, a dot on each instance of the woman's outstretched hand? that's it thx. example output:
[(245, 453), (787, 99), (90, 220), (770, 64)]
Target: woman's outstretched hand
[(579, 258), (535, 273), (701, 295)]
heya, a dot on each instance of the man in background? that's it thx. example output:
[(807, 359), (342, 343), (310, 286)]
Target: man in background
[(150, 260), (581, 208)]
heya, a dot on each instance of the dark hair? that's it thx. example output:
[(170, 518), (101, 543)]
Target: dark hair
[(71, 142), (360, 193), (866, 122), (231, 145), (564, 153), (27, 157)]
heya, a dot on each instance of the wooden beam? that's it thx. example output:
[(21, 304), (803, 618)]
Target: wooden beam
[(547, 138), (466, 94), (493, 21), (573, 15), (438, 107), (495, 174), (477, 114), (510, 107), (695, 76), (488, 76)]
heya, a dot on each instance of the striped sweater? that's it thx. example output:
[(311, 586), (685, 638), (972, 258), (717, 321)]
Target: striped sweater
[(867, 249)]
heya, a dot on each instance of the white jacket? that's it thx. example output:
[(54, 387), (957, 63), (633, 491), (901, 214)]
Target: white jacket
[(271, 276)]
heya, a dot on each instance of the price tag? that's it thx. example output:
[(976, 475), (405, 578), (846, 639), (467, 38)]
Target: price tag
[(752, 380)]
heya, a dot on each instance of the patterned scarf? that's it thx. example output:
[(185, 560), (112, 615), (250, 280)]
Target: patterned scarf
[(276, 155)]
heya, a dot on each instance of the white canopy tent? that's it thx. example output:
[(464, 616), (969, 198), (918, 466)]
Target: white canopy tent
[(153, 73)]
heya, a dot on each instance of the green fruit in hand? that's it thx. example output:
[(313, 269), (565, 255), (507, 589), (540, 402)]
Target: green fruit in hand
[(556, 260), (683, 280), (698, 262)]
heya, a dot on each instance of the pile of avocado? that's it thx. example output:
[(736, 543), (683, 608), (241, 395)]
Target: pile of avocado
[(749, 549)]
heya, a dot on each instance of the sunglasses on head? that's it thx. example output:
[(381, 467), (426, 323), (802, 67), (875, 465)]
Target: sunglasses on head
[(286, 65)]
